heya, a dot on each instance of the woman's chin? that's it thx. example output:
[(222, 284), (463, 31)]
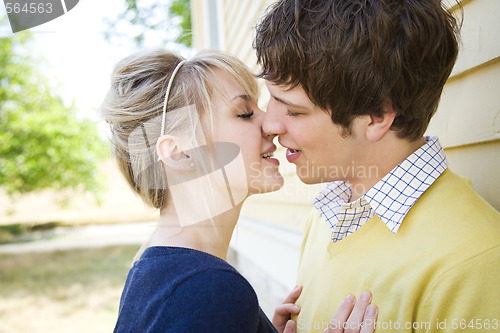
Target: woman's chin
[(267, 185)]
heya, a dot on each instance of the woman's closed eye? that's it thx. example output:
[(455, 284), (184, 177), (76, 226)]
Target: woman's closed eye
[(246, 115)]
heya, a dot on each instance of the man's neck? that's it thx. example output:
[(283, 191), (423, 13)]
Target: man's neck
[(383, 156)]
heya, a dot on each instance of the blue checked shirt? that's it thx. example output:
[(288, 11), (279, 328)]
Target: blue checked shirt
[(391, 198)]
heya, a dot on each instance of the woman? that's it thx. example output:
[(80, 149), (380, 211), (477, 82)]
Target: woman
[(187, 137)]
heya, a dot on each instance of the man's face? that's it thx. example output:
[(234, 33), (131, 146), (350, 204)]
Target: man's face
[(314, 143)]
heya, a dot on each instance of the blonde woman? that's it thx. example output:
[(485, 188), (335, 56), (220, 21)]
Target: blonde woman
[(186, 134)]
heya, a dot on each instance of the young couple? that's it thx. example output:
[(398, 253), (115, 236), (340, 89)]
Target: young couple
[(353, 86)]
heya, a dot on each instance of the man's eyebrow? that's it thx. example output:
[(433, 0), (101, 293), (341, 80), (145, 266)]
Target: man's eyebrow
[(296, 106)]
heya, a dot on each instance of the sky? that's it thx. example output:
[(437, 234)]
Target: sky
[(79, 58)]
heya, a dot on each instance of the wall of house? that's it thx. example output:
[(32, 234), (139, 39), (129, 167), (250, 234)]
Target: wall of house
[(468, 117)]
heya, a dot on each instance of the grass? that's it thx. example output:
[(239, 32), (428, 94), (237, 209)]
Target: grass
[(63, 291)]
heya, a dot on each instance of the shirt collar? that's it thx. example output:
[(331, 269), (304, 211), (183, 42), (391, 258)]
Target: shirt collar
[(393, 196)]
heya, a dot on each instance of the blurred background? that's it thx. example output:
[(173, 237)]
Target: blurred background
[(69, 225)]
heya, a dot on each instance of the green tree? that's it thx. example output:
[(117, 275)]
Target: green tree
[(172, 18), (43, 143)]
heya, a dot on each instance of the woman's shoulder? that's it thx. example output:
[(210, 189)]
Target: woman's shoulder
[(194, 290), (191, 270), (170, 272), (222, 280), (181, 261), (216, 300)]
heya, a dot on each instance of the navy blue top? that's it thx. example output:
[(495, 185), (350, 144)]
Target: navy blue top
[(174, 289)]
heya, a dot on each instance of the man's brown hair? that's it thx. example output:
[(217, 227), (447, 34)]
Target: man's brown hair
[(352, 57)]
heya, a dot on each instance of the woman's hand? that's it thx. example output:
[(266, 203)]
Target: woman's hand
[(354, 316), (281, 318), (351, 317)]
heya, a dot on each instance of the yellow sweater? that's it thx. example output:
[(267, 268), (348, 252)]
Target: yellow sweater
[(439, 273)]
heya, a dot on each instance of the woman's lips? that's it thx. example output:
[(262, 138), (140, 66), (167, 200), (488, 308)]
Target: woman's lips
[(268, 156), (272, 160)]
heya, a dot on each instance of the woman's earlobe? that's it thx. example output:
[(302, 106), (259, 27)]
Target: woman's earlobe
[(169, 150), (164, 147)]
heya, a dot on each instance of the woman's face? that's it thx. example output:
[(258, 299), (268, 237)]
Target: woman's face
[(237, 119)]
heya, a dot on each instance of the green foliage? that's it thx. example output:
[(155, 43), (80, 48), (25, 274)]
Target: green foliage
[(156, 17), (43, 143), (181, 9), (15, 232)]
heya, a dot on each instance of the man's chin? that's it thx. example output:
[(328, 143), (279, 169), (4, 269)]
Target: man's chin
[(311, 181), (310, 174)]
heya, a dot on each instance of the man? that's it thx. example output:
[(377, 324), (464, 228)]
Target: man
[(353, 87)]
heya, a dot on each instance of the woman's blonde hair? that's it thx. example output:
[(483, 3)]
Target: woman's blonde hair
[(133, 107)]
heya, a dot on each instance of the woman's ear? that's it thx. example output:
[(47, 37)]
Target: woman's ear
[(378, 126), (170, 152)]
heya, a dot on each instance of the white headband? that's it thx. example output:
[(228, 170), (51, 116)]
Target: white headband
[(176, 69)]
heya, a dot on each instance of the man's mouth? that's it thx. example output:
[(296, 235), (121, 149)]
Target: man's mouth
[(293, 154), (290, 151)]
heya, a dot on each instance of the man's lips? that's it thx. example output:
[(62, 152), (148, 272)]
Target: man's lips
[(293, 154)]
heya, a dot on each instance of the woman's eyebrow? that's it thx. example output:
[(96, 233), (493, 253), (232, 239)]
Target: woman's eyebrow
[(244, 97)]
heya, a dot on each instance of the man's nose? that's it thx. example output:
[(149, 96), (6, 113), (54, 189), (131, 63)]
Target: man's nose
[(272, 124)]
